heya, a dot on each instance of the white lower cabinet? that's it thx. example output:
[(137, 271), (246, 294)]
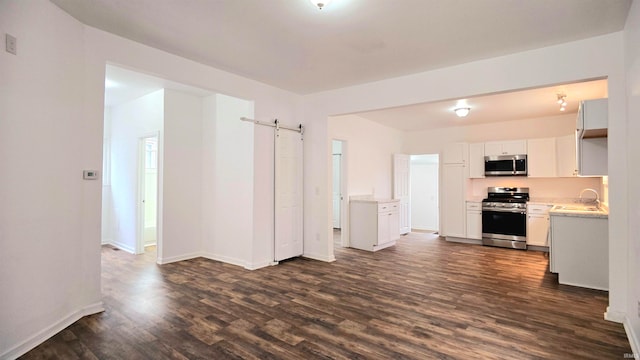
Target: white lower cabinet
[(579, 250), (373, 225), (538, 225), (474, 220)]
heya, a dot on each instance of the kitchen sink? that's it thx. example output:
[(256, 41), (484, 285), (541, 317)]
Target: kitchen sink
[(577, 208)]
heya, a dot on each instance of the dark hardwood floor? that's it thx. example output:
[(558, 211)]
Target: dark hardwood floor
[(424, 298)]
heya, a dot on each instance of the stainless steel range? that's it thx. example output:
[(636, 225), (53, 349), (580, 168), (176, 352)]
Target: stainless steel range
[(504, 217)]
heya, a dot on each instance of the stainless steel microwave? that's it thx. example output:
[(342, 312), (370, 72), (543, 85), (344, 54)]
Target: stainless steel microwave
[(505, 165)]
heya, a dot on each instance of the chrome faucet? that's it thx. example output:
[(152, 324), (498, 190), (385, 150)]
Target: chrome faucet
[(597, 200)]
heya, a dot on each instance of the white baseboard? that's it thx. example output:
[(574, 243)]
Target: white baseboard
[(615, 316), (106, 241), (51, 330), (225, 259), (631, 335), (162, 261), (259, 265), (123, 246), (325, 258)]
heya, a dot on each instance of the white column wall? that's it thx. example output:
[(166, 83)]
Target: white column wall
[(129, 122), (592, 58), (49, 215), (632, 67), (180, 183), (228, 182)]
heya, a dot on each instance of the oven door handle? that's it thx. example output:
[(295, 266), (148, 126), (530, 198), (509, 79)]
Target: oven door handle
[(515, 211)]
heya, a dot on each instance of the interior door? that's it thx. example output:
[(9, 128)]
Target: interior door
[(288, 231), (337, 194), (402, 189)]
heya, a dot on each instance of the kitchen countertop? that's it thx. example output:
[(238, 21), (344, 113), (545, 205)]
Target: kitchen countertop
[(371, 199), (579, 210)]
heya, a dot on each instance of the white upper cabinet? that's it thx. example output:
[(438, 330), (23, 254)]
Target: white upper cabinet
[(476, 160), (455, 153), (592, 145), (513, 147), (541, 157), (566, 156), (593, 118)]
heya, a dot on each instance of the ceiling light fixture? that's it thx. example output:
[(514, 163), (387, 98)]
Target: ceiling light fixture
[(320, 3), (462, 111), (562, 100)]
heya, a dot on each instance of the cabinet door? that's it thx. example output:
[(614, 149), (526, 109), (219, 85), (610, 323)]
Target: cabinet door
[(455, 153), (515, 147), (474, 224), (566, 156), (394, 225), (541, 157), (537, 230), (383, 228), (476, 160), (453, 205), (493, 148)]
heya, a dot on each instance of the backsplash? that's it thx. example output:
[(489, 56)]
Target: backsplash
[(565, 188)]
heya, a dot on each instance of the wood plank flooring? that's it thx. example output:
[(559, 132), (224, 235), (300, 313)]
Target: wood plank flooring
[(424, 298)]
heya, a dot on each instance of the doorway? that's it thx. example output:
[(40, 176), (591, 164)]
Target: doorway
[(424, 193), (338, 189), (148, 194)]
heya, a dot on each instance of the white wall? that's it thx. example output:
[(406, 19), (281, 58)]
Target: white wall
[(129, 122), (180, 200), (424, 192), (632, 66), (58, 240), (228, 183), (595, 57), (49, 216), (369, 156)]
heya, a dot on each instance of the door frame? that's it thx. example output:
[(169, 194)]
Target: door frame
[(344, 186), (140, 198)]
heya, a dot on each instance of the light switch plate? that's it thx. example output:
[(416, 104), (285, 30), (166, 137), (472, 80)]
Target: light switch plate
[(11, 44), (90, 174)]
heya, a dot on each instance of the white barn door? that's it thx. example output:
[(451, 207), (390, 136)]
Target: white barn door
[(288, 195), (402, 190)]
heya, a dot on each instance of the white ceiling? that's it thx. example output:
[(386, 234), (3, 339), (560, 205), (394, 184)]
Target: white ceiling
[(294, 46)]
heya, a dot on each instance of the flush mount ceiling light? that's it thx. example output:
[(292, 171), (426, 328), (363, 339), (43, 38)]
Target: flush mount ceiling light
[(462, 111), (562, 100), (320, 3)]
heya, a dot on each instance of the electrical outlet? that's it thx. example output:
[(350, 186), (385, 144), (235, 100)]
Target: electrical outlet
[(11, 44)]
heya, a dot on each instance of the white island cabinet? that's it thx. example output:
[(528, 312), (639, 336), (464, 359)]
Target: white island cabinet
[(579, 248), (374, 224)]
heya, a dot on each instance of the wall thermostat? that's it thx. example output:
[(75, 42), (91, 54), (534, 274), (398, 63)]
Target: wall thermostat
[(90, 174)]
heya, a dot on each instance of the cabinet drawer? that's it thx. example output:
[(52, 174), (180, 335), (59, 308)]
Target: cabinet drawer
[(472, 205), (538, 209), (387, 207)]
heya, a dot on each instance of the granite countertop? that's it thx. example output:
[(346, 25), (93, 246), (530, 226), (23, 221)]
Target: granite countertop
[(579, 210)]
